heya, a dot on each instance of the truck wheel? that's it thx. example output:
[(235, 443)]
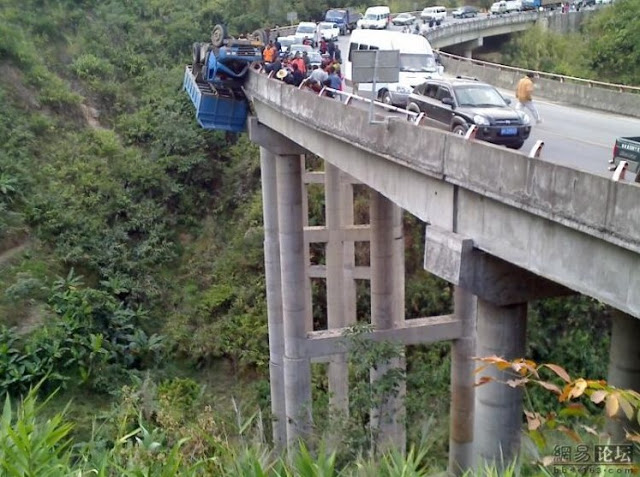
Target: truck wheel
[(261, 36), (196, 54), (385, 97), (218, 35)]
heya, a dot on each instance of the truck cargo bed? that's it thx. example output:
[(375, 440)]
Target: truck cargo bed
[(224, 108)]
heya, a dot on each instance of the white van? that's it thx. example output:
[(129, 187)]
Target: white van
[(417, 63), (437, 14), (376, 18)]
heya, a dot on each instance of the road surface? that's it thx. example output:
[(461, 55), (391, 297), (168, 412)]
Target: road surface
[(578, 138)]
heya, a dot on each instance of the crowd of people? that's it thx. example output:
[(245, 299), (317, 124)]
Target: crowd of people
[(295, 68)]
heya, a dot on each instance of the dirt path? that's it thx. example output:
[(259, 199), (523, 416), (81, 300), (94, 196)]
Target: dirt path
[(7, 255)]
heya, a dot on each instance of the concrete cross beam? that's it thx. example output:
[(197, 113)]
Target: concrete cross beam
[(453, 257), (415, 331), (317, 177), (359, 273), (348, 233)]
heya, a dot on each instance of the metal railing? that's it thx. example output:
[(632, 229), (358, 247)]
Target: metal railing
[(541, 74)]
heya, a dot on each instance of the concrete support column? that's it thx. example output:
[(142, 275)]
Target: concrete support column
[(468, 53), (349, 252), (386, 220), (297, 369), (462, 385), (501, 331), (624, 366), (338, 370), (307, 251), (274, 295)]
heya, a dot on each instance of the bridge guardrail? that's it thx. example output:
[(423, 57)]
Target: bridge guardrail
[(541, 74)]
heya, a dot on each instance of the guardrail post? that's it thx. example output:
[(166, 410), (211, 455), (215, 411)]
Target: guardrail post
[(536, 150), (620, 172)]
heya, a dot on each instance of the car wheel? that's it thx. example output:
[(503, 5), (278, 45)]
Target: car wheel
[(385, 97), (517, 145), (459, 129)]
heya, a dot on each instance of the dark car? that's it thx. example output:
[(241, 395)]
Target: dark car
[(461, 102), (465, 12)]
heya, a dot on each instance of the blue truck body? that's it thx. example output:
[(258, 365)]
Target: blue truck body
[(343, 17), (214, 82), (221, 108)]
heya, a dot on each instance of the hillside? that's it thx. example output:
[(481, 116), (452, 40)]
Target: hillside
[(131, 268)]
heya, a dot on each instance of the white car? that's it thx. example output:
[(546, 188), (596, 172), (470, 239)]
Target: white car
[(328, 31), (307, 31)]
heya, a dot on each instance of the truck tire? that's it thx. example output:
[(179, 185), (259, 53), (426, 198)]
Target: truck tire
[(261, 36), (196, 54), (218, 35)]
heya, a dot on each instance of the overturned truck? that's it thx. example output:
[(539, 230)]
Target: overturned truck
[(214, 81)]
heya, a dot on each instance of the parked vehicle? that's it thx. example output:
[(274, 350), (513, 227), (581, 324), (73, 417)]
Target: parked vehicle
[(545, 4), (345, 18), (404, 19), (417, 63), (328, 31), (458, 103), (627, 149), (315, 58), (498, 8), (438, 14), (375, 18), (307, 31), (286, 42), (465, 12)]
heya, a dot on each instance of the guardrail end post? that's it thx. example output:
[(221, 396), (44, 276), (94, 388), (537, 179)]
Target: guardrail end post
[(471, 132), (536, 150), (620, 171)]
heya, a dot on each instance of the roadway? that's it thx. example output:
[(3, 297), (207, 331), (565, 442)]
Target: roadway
[(578, 138)]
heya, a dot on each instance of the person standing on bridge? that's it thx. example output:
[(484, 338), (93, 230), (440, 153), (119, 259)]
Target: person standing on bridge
[(524, 95)]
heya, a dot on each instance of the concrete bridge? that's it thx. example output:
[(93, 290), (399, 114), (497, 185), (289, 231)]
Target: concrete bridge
[(503, 228)]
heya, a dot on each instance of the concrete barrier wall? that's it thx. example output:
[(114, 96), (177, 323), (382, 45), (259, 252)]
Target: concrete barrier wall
[(585, 202)]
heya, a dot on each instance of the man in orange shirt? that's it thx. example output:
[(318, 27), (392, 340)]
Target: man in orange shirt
[(269, 54), (524, 95)]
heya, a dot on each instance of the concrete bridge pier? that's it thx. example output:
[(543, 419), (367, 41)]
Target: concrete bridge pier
[(274, 295), (285, 270), (387, 311), (624, 367), (338, 373), (490, 302), (501, 331), (297, 367), (461, 413)]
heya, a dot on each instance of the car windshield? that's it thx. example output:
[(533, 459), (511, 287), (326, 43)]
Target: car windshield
[(479, 96), (333, 16), (371, 16), (326, 26), (417, 63), (403, 15), (306, 29)]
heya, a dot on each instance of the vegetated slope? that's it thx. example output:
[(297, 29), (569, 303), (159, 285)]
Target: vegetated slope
[(102, 163), (104, 167), (605, 49)]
